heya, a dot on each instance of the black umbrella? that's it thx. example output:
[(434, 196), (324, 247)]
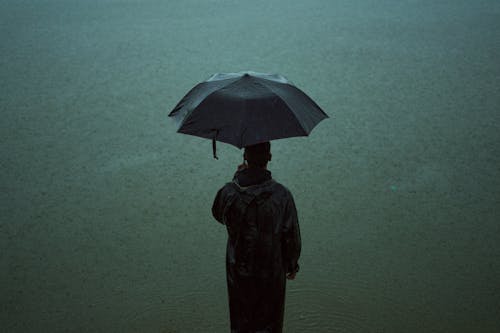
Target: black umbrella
[(246, 108)]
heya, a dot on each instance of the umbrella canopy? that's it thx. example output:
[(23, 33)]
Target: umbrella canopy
[(246, 108)]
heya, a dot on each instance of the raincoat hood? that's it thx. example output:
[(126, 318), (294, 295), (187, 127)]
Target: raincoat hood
[(251, 176), (253, 182)]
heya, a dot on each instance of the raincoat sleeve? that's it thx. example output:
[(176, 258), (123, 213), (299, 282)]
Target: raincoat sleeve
[(291, 241), (222, 203), (218, 206)]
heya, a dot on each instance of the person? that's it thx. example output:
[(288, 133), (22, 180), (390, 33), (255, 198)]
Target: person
[(263, 244)]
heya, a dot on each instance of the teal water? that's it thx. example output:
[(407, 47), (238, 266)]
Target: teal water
[(105, 221)]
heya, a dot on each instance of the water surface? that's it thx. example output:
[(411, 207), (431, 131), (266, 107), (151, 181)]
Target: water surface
[(105, 217)]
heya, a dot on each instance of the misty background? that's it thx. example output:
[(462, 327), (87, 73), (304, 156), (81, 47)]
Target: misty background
[(105, 222)]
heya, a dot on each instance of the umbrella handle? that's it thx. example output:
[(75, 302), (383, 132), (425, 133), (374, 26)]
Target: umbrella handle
[(214, 145)]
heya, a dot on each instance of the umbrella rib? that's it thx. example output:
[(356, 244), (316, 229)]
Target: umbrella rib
[(243, 127), (201, 100), (284, 101)]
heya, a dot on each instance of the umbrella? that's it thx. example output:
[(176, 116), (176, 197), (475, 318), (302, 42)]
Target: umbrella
[(246, 108)]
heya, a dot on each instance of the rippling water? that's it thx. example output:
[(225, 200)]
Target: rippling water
[(105, 217)]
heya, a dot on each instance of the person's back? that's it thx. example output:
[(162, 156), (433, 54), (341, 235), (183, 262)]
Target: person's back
[(263, 243)]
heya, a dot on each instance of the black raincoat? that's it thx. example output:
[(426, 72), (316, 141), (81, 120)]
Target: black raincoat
[(263, 246)]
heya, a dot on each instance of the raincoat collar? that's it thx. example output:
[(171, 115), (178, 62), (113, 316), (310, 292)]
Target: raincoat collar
[(251, 176)]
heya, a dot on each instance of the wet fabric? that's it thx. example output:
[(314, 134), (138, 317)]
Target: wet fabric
[(246, 108), (263, 246), (252, 176)]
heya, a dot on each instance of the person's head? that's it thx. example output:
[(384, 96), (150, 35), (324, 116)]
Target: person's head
[(258, 155)]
